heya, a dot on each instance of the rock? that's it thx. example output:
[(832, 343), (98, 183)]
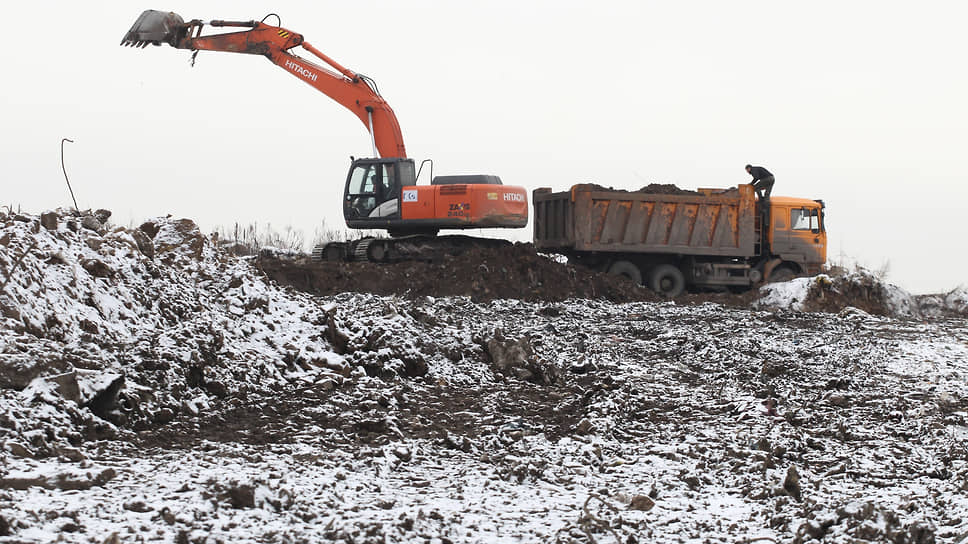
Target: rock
[(88, 326), (8, 309), (4, 527), (838, 399), (65, 481), (94, 243), (145, 245), (23, 483), (641, 502), (326, 384), (97, 268), (91, 223), (137, 506), (102, 215), (18, 450), (16, 372), (69, 454), (180, 236), (517, 358), (415, 367), (241, 496), (67, 385), (168, 516), (584, 427), (815, 529), (149, 228), (80, 482), (49, 220), (163, 416), (791, 483), (692, 481)]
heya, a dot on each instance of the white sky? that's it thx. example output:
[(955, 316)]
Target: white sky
[(860, 103)]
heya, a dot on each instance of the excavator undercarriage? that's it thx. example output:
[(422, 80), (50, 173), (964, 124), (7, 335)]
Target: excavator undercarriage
[(405, 248)]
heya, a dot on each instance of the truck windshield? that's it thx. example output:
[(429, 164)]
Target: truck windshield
[(805, 219)]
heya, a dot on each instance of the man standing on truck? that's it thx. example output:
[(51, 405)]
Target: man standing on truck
[(762, 180), (763, 185)]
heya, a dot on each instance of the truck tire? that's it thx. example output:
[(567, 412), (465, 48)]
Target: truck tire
[(782, 273), (667, 280), (627, 269)]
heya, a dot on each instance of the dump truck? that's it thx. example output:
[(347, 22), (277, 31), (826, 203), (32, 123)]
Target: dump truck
[(676, 240)]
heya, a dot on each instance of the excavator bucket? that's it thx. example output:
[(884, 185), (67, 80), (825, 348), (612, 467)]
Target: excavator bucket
[(154, 27)]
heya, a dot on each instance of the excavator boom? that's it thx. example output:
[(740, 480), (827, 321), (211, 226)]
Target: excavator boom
[(353, 91)]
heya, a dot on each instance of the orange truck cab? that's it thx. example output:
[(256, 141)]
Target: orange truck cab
[(797, 234)]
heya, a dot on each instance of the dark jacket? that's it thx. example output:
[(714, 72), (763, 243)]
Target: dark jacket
[(758, 173)]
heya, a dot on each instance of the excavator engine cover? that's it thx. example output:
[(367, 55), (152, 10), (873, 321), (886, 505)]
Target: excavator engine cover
[(154, 27), (467, 179)]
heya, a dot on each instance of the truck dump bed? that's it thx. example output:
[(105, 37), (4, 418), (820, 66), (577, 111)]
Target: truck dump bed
[(590, 218)]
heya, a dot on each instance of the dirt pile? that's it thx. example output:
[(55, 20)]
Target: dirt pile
[(839, 290), (652, 189), (833, 293), (148, 324), (665, 189), (515, 272), (954, 304)]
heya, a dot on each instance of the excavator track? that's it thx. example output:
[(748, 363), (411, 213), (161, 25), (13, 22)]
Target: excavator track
[(403, 249)]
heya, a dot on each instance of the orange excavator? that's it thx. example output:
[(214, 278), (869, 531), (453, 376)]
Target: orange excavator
[(382, 192)]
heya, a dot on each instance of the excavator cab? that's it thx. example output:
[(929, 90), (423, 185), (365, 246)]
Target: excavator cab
[(373, 191)]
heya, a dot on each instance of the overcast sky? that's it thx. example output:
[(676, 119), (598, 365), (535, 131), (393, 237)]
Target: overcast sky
[(862, 104)]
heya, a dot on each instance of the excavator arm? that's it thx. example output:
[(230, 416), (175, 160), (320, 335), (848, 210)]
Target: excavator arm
[(353, 91)]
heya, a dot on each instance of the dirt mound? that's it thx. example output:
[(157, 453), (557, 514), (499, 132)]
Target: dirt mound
[(665, 189), (840, 289), (833, 294), (652, 188), (511, 272)]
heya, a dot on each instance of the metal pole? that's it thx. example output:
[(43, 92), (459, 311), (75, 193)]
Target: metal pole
[(369, 113), (65, 172)]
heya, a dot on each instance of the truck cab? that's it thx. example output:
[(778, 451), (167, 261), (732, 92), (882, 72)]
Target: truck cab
[(797, 234)]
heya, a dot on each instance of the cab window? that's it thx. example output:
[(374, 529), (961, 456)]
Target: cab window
[(805, 219), (361, 180)]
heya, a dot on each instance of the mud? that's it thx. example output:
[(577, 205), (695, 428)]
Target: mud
[(514, 272), (652, 189), (665, 189)]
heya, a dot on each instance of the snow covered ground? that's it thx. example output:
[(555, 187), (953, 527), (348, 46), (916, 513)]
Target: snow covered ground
[(154, 390)]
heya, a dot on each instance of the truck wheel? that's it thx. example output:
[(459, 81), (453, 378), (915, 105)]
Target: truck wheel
[(667, 280), (627, 269), (781, 274)]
